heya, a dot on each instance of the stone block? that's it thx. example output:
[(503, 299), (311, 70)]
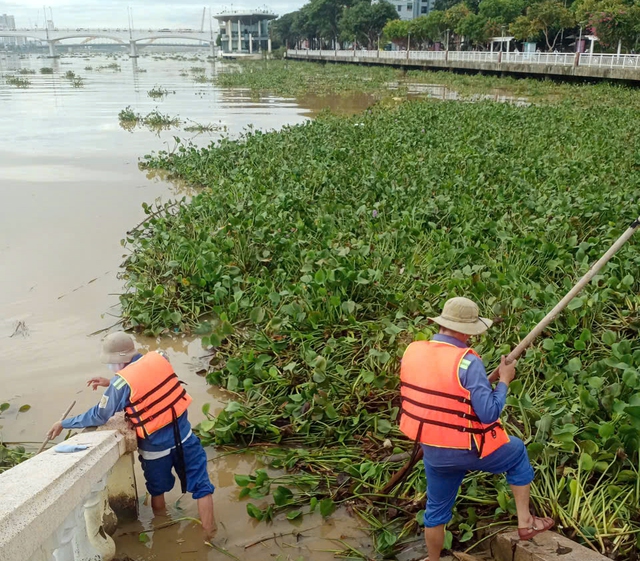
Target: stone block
[(547, 546)]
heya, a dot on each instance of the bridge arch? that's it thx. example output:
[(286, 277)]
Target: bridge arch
[(90, 37)]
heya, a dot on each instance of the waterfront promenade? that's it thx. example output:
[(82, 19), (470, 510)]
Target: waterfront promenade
[(579, 65)]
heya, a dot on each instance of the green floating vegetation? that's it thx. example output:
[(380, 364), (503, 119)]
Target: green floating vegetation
[(297, 78), (18, 82), (24, 71), (154, 120), (314, 255), (158, 92), (46, 70), (12, 455)]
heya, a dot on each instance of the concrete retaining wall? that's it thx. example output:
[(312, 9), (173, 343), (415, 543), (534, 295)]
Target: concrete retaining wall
[(56, 506)]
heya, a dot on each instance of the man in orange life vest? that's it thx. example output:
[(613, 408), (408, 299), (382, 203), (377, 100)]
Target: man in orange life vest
[(155, 403), (451, 409)]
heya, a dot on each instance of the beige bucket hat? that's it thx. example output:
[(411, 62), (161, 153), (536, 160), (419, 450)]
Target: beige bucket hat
[(117, 348), (461, 315)]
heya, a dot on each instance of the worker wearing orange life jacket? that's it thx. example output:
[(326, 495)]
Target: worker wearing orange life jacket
[(451, 410), (146, 388)]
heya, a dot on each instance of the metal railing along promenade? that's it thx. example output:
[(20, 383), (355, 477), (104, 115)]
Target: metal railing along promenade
[(595, 60)]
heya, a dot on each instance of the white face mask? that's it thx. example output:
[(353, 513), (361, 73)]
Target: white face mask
[(116, 367)]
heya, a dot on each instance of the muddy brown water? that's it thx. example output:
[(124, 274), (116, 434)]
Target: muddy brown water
[(70, 188)]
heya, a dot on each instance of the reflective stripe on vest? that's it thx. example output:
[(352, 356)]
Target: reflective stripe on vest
[(157, 396), (436, 408)]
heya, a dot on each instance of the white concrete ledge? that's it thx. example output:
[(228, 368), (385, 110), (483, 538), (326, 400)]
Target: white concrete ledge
[(39, 495)]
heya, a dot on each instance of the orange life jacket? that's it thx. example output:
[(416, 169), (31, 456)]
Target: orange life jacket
[(157, 396), (436, 408)]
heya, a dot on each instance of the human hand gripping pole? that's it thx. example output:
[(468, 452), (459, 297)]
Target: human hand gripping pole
[(533, 334), (50, 434)]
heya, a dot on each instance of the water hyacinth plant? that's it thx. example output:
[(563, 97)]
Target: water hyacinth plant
[(313, 256), (18, 82)]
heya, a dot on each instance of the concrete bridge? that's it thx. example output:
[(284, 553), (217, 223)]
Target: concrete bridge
[(577, 65), (134, 37)]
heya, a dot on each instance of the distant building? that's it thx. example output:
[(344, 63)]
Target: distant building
[(8, 23), (245, 32), (410, 9)]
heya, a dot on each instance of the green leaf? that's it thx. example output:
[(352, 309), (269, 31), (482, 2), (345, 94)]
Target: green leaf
[(384, 426), (254, 511), (606, 430), (232, 383), (257, 314), (313, 503), (548, 344), (207, 425), (627, 281), (4, 407), (205, 408), (448, 540), (330, 412), (609, 338), (143, 537), (158, 291), (630, 378), (294, 514), (282, 496), (242, 480), (24, 408), (595, 382), (327, 507), (586, 462), (349, 306), (175, 317), (575, 303), (574, 365), (633, 411)]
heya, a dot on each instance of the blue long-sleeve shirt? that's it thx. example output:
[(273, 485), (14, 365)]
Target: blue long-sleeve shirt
[(487, 402), (115, 399)]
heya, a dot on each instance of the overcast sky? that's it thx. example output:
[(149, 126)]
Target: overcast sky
[(113, 13)]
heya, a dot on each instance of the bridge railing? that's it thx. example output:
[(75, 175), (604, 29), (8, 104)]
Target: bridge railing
[(554, 59), (426, 55), (603, 60), (596, 60)]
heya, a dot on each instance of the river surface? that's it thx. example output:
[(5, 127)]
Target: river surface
[(70, 189)]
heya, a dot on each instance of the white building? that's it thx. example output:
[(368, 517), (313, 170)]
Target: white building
[(245, 32), (410, 9)]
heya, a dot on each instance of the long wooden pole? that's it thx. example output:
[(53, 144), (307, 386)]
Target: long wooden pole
[(536, 331), (66, 413)]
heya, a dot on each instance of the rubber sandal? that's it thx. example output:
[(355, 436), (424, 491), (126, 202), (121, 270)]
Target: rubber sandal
[(528, 533)]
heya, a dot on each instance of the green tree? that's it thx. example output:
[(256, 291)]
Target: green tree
[(550, 17), (365, 22), (523, 29), (284, 30), (429, 28), (444, 5), (616, 24), (501, 11), (397, 31), (324, 16), (453, 16), (474, 29)]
